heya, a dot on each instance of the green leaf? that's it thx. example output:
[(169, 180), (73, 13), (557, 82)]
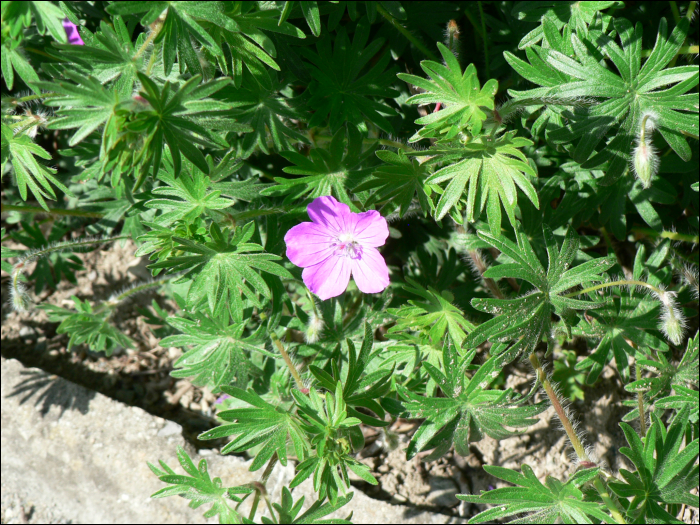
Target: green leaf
[(551, 502), (216, 353), (397, 182), (622, 98), (528, 319), (21, 152), (340, 91), (288, 510), (266, 113), (87, 326), (435, 315), (664, 474), (489, 170), (326, 171), (463, 101), (468, 410), (222, 269), (629, 318), (262, 423), (186, 198), (199, 488)]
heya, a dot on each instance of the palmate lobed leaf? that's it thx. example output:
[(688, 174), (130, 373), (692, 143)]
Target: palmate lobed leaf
[(225, 268), (613, 326), (468, 410), (552, 502), (274, 426), (664, 474), (490, 170), (216, 353), (340, 91), (87, 326), (528, 319), (327, 171), (21, 152), (199, 488), (622, 97), (434, 314), (397, 182), (461, 96)]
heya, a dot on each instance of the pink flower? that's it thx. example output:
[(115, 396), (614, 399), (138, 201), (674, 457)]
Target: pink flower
[(337, 244), (72, 33)]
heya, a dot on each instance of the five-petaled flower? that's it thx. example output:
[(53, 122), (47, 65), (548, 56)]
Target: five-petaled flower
[(337, 244)]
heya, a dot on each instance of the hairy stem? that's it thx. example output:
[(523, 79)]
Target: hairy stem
[(559, 409), (674, 236), (51, 211), (574, 439), (624, 282), (405, 32), (261, 488)]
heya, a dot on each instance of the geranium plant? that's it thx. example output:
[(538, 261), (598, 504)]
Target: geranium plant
[(367, 211)]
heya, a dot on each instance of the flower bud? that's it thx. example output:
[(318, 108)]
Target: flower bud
[(313, 329), (19, 298), (645, 160), (673, 326)]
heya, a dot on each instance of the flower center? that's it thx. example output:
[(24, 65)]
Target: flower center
[(346, 246)]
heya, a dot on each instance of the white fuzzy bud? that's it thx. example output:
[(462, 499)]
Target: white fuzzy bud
[(313, 329), (19, 298), (673, 322), (645, 159)]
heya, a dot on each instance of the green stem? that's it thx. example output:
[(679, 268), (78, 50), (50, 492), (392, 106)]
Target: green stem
[(285, 355), (67, 245), (624, 282), (485, 39), (261, 488), (691, 10), (405, 32), (383, 142), (674, 236), (640, 398), (51, 211), (609, 502), (674, 10), (111, 303), (685, 50), (143, 47)]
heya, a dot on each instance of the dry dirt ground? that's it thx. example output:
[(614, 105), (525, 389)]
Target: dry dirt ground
[(141, 377)]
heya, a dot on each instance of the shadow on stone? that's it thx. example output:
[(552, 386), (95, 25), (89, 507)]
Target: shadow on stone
[(49, 392)]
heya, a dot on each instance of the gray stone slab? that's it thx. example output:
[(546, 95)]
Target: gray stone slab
[(71, 455)]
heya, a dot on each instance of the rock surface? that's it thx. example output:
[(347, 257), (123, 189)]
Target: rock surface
[(70, 455)]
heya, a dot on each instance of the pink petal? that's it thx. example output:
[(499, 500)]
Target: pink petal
[(371, 228), (370, 271), (308, 244), (330, 213), (72, 33), (329, 278)]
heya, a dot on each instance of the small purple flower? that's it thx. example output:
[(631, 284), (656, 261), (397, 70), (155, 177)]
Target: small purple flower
[(72, 33), (221, 399), (337, 244)]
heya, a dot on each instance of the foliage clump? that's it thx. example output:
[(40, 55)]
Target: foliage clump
[(202, 131)]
